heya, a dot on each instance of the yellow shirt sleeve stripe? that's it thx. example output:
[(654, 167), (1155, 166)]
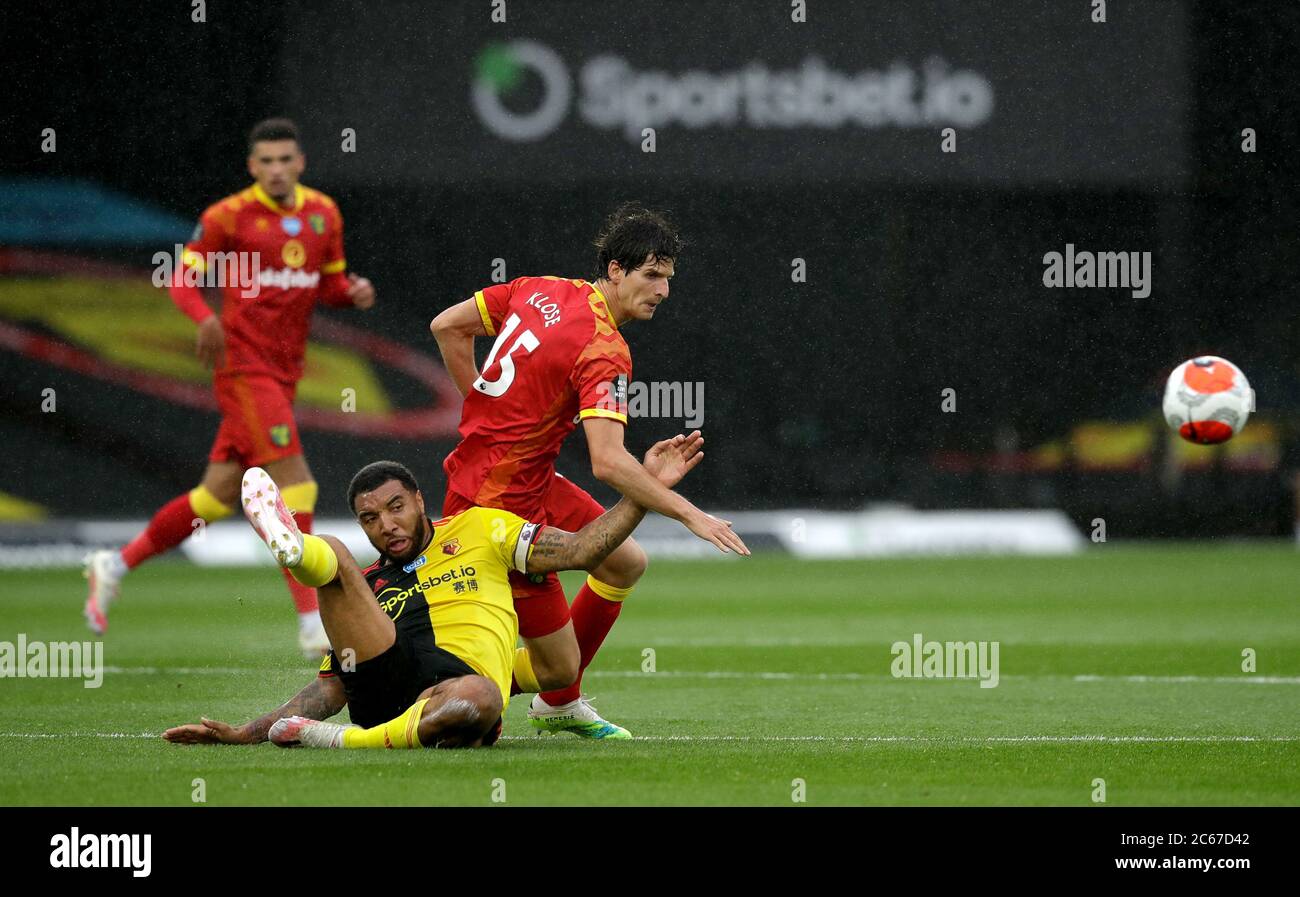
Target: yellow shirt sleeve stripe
[(483, 313), (334, 267), (602, 412)]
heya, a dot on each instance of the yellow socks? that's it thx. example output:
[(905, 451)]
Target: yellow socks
[(301, 497), (606, 591), (207, 506), (525, 678), (402, 732), (319, 565)]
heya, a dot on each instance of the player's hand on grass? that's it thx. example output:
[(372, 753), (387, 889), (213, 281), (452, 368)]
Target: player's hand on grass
[(210, 345), (671, 459), (208, 731), (361, 291), (715, 530)]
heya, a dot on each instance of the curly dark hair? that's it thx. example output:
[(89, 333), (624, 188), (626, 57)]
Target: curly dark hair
[(634, 235)]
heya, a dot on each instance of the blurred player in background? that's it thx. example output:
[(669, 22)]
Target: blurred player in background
[(255, 349), (559, 359)]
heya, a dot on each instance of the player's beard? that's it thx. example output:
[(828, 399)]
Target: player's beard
[(419, 542)]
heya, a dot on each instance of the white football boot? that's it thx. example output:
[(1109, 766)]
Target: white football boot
[(298, 731), (266, 510), (104, 569), (578, 717)]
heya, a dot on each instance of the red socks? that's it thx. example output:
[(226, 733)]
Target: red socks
[(593, 618), (304, 597), (171, 526), (174, 523)]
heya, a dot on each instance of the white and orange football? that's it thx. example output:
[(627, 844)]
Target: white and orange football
[(1207, 400)]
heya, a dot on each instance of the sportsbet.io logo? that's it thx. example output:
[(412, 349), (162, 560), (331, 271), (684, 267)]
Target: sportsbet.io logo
[(504, 98), (393, 599), (523, 90)]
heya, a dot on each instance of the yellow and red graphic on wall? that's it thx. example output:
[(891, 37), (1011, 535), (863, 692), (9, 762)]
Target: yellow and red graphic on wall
[(122, 329), (1105, 446)]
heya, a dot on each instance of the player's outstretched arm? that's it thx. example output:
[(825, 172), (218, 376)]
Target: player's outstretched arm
[(320, 699), (613, 465), (556, 549), (455, 329)]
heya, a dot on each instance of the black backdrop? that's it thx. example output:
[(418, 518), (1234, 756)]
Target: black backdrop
[(825, 393)]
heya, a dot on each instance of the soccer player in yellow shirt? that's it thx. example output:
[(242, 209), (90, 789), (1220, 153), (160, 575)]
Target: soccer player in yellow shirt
[(424, 639)]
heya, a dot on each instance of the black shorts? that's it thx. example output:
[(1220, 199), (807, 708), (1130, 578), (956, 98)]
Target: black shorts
[(385, 686)]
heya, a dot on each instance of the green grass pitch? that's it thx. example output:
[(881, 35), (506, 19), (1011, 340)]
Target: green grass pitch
[(1122, 664)]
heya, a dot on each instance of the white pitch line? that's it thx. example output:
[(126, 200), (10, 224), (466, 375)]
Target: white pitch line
[(757, 675), (80, 735), (850, 739), (730, 674), (939, 739), (856, 677), (199, 671), (1247, 680), (757, 642)]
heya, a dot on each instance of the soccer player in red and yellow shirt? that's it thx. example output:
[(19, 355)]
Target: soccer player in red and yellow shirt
[(559, 360), (290, 238)]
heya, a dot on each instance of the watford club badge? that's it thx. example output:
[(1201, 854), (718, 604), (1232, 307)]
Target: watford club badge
[(451, 547), (280, 435)]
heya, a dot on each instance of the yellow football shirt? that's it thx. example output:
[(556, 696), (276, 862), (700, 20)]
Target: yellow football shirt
[(457, 590)]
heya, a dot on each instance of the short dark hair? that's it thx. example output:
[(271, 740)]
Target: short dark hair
[(273, 129), (632, 235), (372, 476)]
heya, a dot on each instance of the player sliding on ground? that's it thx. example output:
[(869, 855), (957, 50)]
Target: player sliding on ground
[(558, 360), (424, 639), (292, 238)]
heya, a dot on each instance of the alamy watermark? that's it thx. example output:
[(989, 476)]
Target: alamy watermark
[(53, 660), (1102, 270), (672, 399), (219, 270), (919, 659), (228, 270), (90, 851)]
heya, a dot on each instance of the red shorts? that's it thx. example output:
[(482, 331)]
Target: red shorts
[(539, 598), (257, 425)]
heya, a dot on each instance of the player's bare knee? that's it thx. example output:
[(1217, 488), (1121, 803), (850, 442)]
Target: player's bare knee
[(224, 488), (460, 712), (624, 567), (484, 694), (228, 496), (638, 560), (290, 471)]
